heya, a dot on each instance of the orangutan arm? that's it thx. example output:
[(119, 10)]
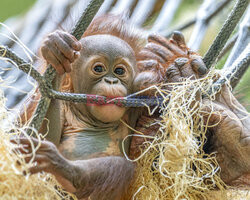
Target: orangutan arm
[(107, 177), (230, 134), (52, 125), (100, 178)]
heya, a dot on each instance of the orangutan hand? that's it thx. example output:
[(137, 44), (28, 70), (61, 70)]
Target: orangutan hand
[(60, 49), (47, 157), (230, 127), (163, 60)]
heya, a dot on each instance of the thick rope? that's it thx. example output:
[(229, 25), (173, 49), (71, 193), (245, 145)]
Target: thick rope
[(49, 93), (25, 67), (225, 32), (234, 73)]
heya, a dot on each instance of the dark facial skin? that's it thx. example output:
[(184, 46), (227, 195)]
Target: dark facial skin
[(105, 68)]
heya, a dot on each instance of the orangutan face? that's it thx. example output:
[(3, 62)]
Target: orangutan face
[(104, 68)]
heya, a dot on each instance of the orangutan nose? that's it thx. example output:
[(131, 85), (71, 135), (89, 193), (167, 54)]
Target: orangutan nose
[(110, 80)]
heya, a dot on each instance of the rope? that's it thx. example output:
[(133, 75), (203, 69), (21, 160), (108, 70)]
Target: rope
[(234, 73), (49, 93), (225, 32)]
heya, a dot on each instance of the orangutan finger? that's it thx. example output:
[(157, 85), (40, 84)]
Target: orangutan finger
[(199, 66), (145, 79), (65, 63), (245, 141), (27, 159), (147, 65), (26, 142), (173, 74), (184, 67), (37, 158), (187, 72), (147, 54), (178, 37), (39, 168), (51, 59), (161, 51), (166, 43), (180, 62), (23, 149), (66, 50), (71, 40)]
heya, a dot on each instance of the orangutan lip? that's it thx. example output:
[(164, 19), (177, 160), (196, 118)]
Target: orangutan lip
[(101, 100)]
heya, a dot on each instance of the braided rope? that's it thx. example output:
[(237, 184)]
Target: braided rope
[(49, 93), (25, 67), (234, 73), (225, 32)]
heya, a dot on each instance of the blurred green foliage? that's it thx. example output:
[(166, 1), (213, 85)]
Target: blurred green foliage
[(10, 8)]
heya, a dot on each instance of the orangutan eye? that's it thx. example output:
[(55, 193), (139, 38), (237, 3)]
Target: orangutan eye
[(119, 71), (98, 68)]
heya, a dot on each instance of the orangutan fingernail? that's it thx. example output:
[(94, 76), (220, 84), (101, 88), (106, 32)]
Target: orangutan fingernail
[(181, 62)]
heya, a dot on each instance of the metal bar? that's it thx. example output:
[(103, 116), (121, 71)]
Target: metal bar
[(211, 13), (229, 45), (168, 33), (208, 10), (105, 7)]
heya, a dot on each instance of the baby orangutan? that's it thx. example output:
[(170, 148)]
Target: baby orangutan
[(84, 148), (88, 158)]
